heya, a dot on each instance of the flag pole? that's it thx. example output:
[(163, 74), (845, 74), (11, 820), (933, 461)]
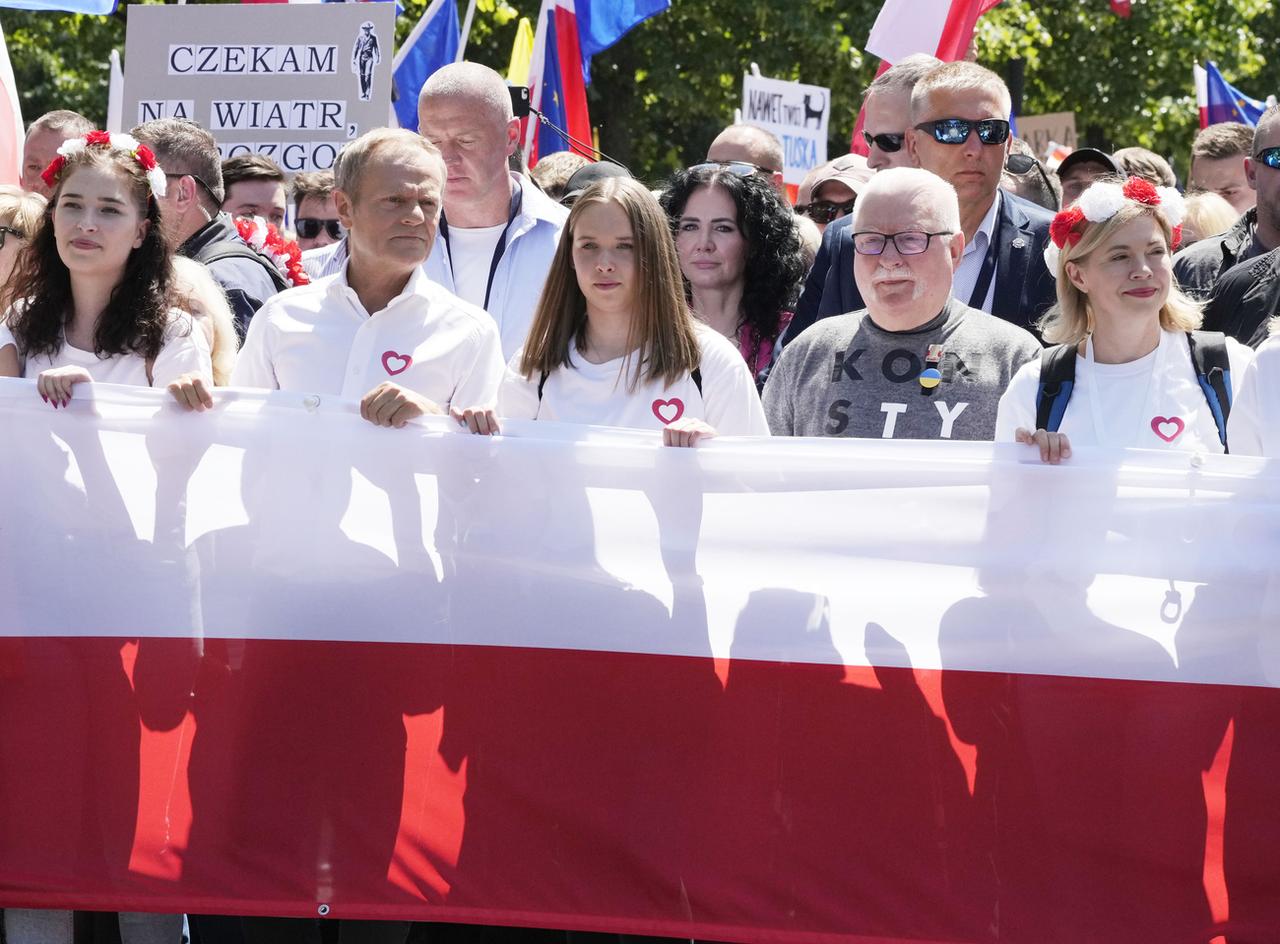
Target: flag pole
[(466, 29)]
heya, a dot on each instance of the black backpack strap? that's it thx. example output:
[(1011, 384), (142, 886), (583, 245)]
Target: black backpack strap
[(1057, 378), (1213, 371), (542, 382), (696, 376), (230, 249)]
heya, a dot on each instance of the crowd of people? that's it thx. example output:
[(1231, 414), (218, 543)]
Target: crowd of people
[(948, 286)]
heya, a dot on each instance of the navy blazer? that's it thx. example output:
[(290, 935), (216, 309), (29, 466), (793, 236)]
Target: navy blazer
[(1024, 288)]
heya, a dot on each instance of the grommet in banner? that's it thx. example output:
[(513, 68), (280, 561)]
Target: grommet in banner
[(312, 403), (1197, 460), (323, 911)]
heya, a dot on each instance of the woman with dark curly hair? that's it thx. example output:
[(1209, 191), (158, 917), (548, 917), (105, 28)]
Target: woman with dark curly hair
[(739, 253), (94, 284)]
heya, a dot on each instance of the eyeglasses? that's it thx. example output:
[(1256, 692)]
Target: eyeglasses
[(9, 230), (824, 211), (309, 227), (1020, 164), (885, 142), (957, 130), (1269, 156), (207, 188), (907, 244), (741, 168)]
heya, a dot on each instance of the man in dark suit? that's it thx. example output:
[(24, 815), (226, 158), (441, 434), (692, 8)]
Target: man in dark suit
[(959, 130)]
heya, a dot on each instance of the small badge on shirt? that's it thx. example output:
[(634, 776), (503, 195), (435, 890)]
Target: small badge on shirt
[(1167, 428), (394, 363)]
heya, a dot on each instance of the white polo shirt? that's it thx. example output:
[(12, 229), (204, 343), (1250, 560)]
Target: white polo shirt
[(318, 338)]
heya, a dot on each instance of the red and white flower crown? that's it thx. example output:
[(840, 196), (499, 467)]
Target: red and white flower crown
[(112, 142), (1104, 200), (283, 253)]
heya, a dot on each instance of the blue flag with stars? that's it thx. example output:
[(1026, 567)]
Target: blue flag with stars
[(1228, 103)]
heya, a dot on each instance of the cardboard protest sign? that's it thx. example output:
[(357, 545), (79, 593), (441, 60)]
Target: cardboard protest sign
[(293, 82), (796, 113), (1039, 130)]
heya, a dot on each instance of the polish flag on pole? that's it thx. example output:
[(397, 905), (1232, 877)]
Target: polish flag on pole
[(1201, 78), (942, 28), (556, 84), (11, 130)]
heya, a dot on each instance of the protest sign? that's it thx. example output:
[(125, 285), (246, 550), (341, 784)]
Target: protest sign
[(1039, 130), (796, 113), (292, 82)]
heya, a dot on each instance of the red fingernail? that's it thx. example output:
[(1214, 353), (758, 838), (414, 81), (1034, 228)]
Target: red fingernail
[(44, 398), (55, 404)]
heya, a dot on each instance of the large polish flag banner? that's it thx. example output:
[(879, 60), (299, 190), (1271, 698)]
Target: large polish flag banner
[(273, 659), (12, 132)]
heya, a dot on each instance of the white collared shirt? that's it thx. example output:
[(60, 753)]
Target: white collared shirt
[(531, 244), (975, 253), (318, 338)]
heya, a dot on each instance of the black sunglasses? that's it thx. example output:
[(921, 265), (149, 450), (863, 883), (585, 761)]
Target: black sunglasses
[(957, 130), (1269, 156), (1021, 164), (885, 142), (741, 168), (7, 230), (908, 244), (197, 179), (309, 227), (824, 211)]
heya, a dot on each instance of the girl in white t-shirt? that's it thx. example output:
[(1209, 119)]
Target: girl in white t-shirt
[(1135, 380), (95, 283), (613, 342)]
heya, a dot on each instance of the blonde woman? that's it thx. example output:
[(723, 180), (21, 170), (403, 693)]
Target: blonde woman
[(1207, 215), (20, 214), (613, 342), (199, 294), (1130, 368)]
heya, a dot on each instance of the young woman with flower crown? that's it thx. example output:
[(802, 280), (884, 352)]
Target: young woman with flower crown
[(1129, 329), (95, 283)]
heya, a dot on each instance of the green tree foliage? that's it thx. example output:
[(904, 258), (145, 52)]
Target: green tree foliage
[(663, 92)]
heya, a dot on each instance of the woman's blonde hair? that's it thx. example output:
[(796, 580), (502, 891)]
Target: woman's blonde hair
[(662, 329), (1072, 319), (22, 210), (196, 292)]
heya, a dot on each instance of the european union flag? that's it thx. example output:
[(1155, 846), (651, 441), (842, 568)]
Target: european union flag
[(553, 100), (432, 44), (1228, 103)]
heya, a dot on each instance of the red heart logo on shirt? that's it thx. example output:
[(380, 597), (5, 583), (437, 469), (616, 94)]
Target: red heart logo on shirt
[(394, 363), (1167, 428), (668, 410)]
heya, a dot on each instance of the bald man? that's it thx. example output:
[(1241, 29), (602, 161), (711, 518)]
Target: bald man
[(498, 232), (747, 144), (916, 363)]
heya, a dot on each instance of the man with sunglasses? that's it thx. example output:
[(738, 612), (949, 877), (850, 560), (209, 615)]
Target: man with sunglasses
[(917, 363), (1247, 296), (315, 214), (1200, 267), (191, 212), (829, 191), (748, 150)]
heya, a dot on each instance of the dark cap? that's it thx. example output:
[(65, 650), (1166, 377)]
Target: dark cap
[(584, 177), (1087, 156)]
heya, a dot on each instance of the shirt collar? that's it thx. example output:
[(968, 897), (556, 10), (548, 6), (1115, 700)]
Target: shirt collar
[(417, 286), (987, 229)]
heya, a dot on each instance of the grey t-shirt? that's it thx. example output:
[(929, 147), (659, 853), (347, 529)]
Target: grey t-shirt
[(846, 376)]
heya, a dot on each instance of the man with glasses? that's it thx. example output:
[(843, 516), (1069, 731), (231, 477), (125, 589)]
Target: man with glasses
[(1200, 267), (916, 363), (193, 221), (886, 117), (1247, 296), (747, 150), (830, 190), (315, 214)]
